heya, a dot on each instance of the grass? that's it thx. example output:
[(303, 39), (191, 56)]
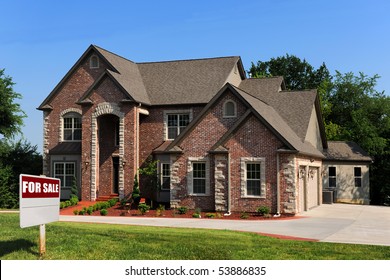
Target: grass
[(82, 241)]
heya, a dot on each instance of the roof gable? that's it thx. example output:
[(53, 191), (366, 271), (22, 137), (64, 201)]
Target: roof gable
[(265, 113)]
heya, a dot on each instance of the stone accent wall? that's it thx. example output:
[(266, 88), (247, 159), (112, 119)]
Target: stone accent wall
[(46, 139), (221, 182), (289, 181)]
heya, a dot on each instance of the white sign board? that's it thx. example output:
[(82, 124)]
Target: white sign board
[(39, 200)]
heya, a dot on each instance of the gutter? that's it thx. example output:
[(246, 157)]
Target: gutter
[(228, 189), (277, 186)]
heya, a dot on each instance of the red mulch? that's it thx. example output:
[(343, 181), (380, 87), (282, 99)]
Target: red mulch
[(118, 210)]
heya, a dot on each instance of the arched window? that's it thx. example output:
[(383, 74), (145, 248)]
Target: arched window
[(94, 62), (72, 127), (229, 109)]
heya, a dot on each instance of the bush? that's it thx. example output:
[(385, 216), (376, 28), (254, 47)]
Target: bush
[(74, 200), (62, 205), (196, 215), (90, 210), (210, 215), (244, 215), (182, 210), (81, 212), (263, 210), (75, 211), (143, 208), (103, 212), (112, 202)]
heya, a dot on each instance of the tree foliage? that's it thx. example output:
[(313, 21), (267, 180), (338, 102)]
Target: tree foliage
[(11, 115), (298, 74), (16, 158)]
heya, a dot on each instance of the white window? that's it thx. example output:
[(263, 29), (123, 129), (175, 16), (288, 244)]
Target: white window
[(198, 178), (253, 180), (253, 177), (94, 62), (229, 109), (72, 127), (175, 121), (358, 176), (66, 172), (165, 176), (332, 177)]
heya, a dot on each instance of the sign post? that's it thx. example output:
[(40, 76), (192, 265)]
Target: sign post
[(39, 203)]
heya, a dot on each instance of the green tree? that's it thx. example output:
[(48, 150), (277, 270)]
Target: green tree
[(16, 158), (11, 115), (298, 74)]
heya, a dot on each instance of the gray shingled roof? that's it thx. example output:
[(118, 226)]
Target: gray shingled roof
[(345, 151), (265, 113), (186, 81), (295, 107), (128, 76), (279, 125)]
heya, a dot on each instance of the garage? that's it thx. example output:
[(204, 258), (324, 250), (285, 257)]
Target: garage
[(312, 187)]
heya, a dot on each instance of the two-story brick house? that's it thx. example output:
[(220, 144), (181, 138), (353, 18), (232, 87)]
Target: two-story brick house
[(223, 142)]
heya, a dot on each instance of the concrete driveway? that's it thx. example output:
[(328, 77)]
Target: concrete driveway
[(360, 224)]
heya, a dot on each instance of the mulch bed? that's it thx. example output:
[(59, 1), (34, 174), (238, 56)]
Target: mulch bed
[(119, 210)]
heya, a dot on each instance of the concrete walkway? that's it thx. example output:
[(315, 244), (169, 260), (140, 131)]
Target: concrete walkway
[(342, 223)]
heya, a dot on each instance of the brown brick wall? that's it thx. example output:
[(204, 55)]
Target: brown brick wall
[(253, 139)]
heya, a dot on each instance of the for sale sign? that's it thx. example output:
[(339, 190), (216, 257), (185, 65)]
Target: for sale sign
[(39, 200)]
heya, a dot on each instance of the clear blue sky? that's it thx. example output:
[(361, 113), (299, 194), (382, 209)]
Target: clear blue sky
[(41, 40)]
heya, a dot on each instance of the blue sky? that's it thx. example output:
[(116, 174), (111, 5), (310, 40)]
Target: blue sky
[(41, 40)]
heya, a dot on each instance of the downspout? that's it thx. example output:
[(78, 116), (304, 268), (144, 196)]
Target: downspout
[(228, 189), (277, 186)]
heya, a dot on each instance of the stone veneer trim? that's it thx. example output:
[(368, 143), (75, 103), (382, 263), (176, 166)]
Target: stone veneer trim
[(104, 109)]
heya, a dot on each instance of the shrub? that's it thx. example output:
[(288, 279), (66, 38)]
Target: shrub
[(112, 202), (103, 212), (68, 203), (74, 200), (263, 210), (81, 212), (182, 210), (75, 211), (196, 215), (62, 204), (89, 210), (244, 215), (210, 215), (143, 208), (160, 210)]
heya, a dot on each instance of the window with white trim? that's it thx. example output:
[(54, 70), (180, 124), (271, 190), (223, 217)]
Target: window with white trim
[(66, 172), (199, 177), (72, 127), (176, 123), (332, 177), (253, 177), (165, 174), (358, 176), (94, 62), (229, 109)]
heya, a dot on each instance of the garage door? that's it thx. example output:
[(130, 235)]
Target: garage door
[(312, 187)]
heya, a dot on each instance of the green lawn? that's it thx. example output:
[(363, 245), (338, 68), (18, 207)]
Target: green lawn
[(81, 241)]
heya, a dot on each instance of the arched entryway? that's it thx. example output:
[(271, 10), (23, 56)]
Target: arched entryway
[(107, 151), (108, 155)]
